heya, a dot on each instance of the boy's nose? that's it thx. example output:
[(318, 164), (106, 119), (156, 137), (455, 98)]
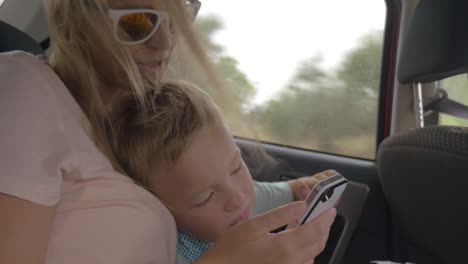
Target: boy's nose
[(234, 201)]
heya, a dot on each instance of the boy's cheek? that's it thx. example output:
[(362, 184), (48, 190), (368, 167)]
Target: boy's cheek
[(205, 224)]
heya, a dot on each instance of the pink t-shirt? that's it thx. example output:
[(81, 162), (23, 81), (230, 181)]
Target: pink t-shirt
[(48, 157)]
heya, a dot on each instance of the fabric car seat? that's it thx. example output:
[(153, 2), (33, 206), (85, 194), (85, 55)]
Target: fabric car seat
[(424, 171)]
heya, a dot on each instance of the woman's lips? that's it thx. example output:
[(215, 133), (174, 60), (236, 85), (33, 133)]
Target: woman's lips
[(151, 66), (243, 217)]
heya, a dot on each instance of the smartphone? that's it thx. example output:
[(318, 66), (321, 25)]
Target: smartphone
[(323, 196)]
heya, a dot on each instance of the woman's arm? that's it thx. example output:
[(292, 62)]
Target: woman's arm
[(24, 230)]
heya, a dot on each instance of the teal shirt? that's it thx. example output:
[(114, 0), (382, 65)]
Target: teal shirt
[(268, 195)]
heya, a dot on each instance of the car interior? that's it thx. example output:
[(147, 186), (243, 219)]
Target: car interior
[(409, 202), (422, 170)]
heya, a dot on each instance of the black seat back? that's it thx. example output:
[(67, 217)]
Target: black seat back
[(424, 174)]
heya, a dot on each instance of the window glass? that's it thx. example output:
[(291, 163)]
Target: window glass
[(457, 90), (304, 73)]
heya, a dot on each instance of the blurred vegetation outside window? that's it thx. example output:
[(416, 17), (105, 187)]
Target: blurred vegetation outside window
[(457, 90), (330, 108)]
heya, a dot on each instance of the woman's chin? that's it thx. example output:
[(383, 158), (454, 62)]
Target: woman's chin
[(152, 78)]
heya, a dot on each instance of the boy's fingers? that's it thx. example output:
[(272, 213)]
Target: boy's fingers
[(303, 235), (311, 181), (325, 174), (264, 223), (321, 176), (330, 172), (304, 191)]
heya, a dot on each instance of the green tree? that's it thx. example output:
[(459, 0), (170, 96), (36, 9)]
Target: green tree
[(457, 89), (321, 109), (186, 67), (360, 74)]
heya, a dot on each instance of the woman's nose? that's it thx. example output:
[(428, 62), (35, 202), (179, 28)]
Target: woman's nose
[(162, 38)]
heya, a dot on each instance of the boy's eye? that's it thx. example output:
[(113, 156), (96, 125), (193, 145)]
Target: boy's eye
[(205, 201), (237, 170)]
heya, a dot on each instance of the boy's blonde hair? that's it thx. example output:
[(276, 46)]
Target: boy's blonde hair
[(144, 137)]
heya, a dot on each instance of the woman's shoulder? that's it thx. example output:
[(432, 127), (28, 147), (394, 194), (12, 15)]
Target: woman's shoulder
[(19, 62), (18, 58), (29, 91), (32, 138), (22, 72)]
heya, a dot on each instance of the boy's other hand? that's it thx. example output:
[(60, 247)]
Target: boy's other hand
[(301, 187)]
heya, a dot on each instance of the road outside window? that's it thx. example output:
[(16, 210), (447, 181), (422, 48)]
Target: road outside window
[(457, 90)]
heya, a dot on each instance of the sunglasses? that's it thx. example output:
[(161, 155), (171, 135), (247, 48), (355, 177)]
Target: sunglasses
[(134, 26)]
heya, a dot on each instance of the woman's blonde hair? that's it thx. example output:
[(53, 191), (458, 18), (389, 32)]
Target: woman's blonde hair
[(145, 137), (75, 28)]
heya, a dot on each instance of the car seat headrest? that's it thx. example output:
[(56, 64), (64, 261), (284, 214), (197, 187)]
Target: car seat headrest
[(436, 43)]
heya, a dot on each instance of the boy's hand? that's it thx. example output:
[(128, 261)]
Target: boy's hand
[(301, 187)]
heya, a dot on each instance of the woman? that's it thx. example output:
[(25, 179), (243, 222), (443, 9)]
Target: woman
[(61, 196)]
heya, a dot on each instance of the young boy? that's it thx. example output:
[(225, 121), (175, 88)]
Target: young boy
[(180, 149)]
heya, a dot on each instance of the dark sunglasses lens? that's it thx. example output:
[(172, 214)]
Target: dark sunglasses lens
[(137, 26)]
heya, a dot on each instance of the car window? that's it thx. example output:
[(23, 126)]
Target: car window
[(457, 90), (305, 74)]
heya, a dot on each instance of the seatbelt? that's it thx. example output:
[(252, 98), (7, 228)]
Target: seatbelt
[(443, 104)]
